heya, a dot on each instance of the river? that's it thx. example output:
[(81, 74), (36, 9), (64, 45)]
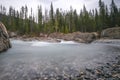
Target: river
[(34, 60)]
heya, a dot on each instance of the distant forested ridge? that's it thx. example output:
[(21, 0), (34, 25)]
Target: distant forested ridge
[(94, 20)]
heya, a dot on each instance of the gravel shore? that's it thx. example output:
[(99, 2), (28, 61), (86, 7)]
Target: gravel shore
[(108, 71)]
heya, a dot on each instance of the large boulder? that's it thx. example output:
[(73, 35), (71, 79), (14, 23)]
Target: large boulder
[(111, 33), (85, 37), (76, 36), (4, 38)]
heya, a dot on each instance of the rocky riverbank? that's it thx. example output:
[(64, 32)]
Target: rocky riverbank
[(108, 71), (80, 37), (57, 37)]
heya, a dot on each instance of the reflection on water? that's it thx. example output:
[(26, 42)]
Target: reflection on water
[(28, 60)]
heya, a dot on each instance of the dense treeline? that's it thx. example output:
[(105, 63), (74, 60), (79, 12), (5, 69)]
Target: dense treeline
[(61, 21)]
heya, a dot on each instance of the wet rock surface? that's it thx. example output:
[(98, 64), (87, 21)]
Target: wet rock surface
[(4, 38)]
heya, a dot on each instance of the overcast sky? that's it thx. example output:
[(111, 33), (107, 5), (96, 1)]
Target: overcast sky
[(63, 4)]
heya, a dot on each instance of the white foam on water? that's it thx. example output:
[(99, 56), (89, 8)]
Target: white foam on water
[(67, 42), (41, 44)]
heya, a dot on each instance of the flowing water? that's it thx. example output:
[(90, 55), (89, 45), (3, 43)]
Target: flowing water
[(33, 59)]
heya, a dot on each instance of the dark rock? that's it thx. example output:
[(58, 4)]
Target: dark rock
[(4, 38), (87, 78), (108, 64), (107, 75), (118, 62), (90, 70)]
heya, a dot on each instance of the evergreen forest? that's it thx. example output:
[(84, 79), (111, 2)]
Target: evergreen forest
[(58, 20)]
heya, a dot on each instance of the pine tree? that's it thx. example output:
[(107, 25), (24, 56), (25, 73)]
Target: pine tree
[(113, 14), (52, 21), (57, 19), (45, 22), (102, 14), (61, 21), (75, 19), (40, 27), (107, 19), (26, 22)]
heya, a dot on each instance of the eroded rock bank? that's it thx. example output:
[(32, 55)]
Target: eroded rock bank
[(4, 38), (57, 37), (76, 36)]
